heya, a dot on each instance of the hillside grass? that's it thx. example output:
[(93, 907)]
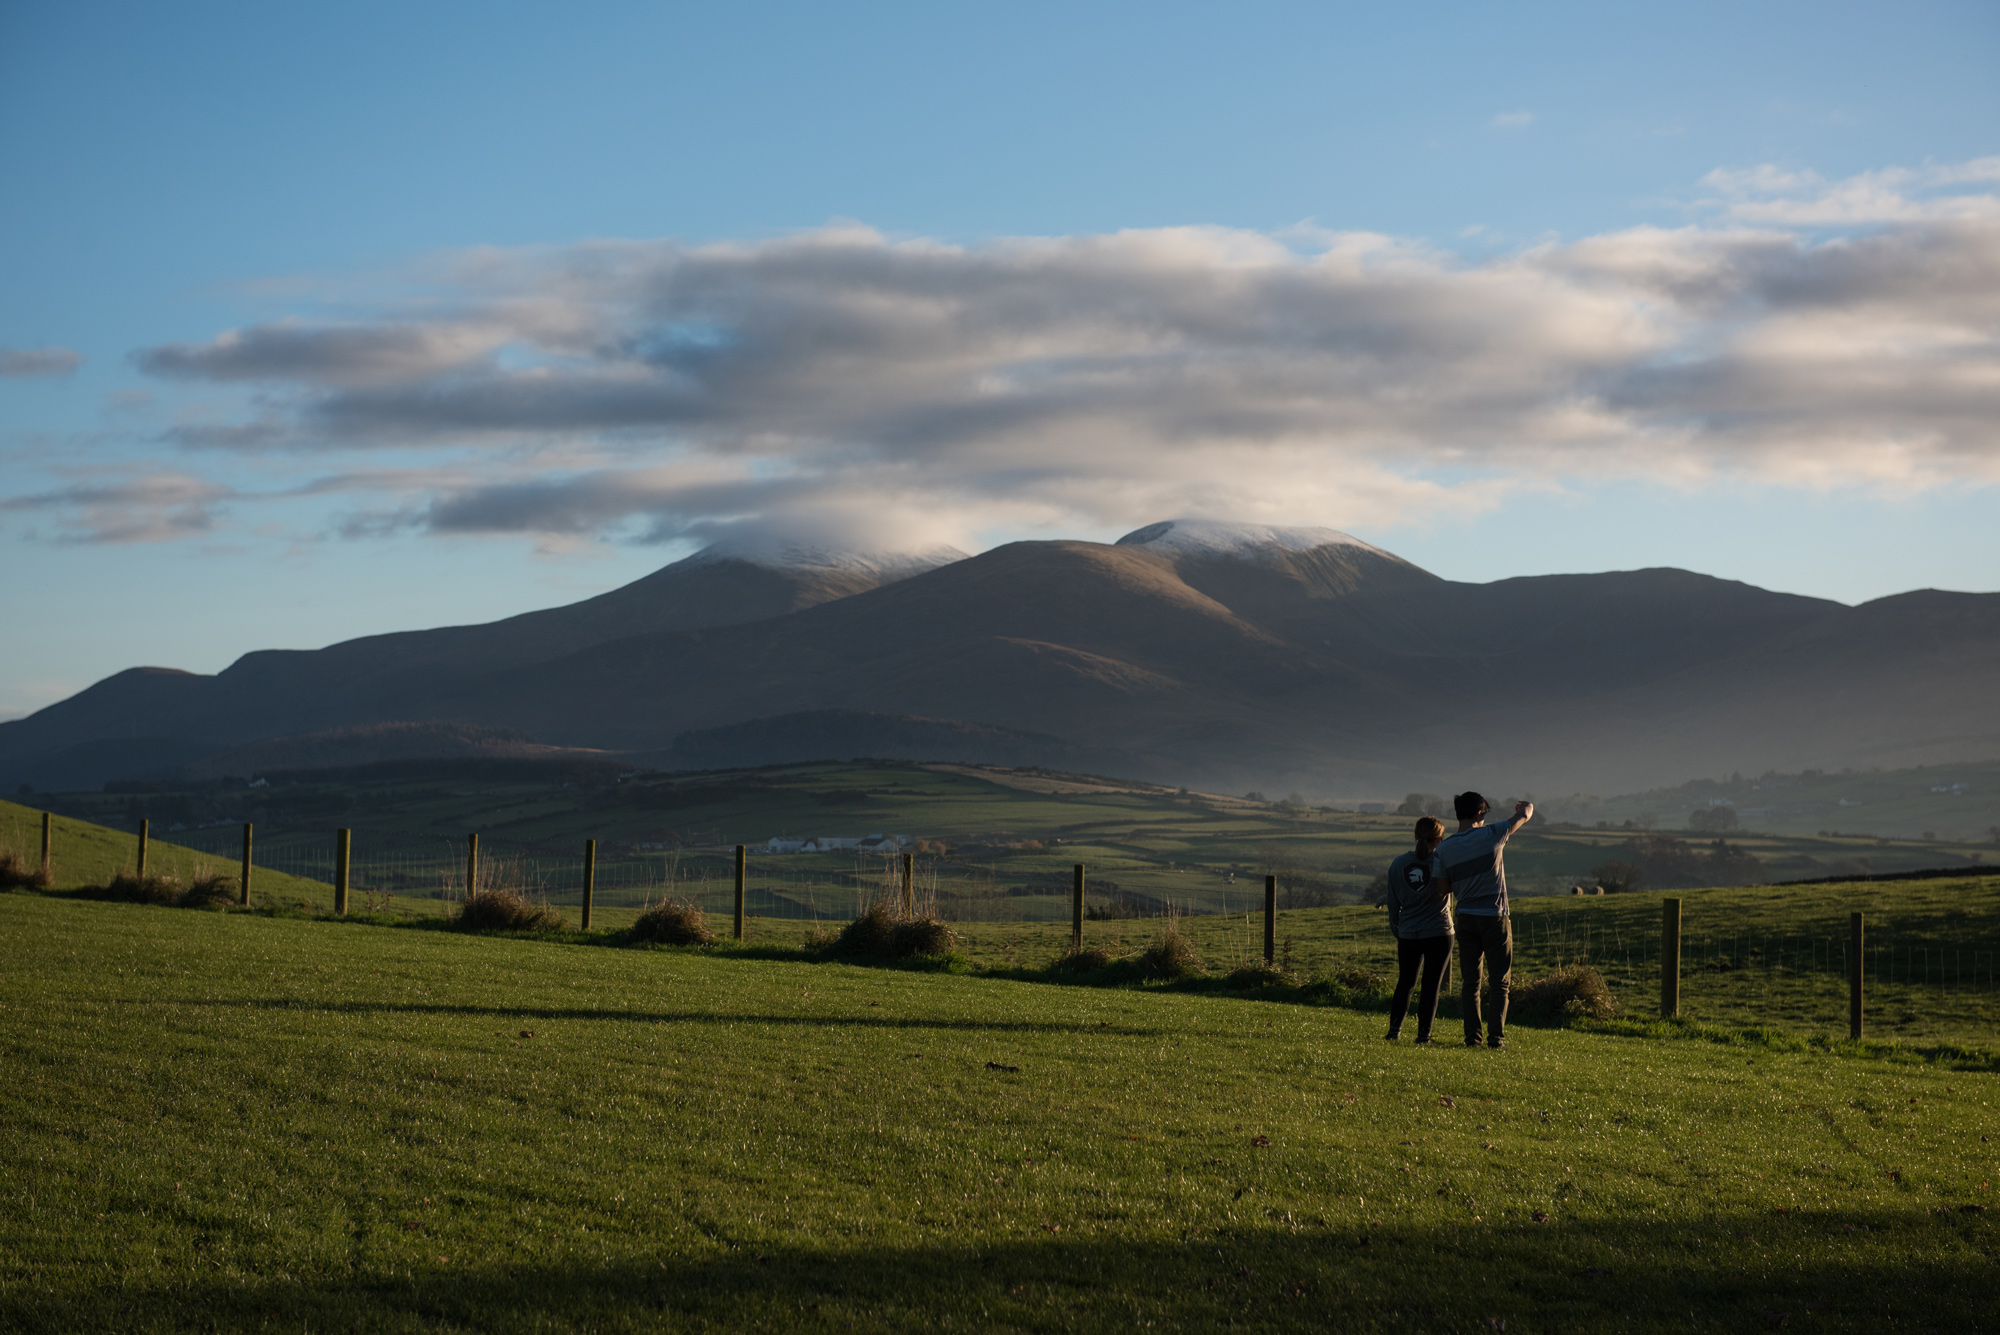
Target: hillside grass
[(86, 854), (235, 1122)]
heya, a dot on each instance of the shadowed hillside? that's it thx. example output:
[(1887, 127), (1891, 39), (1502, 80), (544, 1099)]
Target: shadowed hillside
[(1226, 656)]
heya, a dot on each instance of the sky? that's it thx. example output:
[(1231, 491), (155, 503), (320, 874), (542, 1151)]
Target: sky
[(323, 321)]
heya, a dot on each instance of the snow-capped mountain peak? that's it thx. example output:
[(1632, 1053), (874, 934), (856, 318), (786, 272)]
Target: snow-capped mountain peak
[(780, 553), (1215, 537)]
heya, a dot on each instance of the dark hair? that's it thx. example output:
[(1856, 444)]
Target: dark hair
[(1470, 806), (1430, 833)]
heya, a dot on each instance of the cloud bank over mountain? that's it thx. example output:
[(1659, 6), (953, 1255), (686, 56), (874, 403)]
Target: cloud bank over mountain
[(1810, 334)]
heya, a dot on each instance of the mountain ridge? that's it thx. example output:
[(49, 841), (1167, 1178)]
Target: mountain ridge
[(1189, 651)]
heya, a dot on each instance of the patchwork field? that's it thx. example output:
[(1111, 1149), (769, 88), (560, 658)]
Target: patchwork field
[(236, 1122)]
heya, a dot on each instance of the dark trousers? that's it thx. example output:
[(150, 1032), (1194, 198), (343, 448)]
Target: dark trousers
[(1488, 941), (1434, 953)]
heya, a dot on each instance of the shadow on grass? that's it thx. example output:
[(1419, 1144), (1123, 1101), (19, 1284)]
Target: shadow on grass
[(841, 1021), (1820, 1271)]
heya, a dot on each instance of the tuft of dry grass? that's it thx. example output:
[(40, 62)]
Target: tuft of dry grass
[(1086, 960), (882, 932), (1574, 992), (16, 873), (1172, 954), (208, 890), (499, 909), (673, 922), (1253, 976)]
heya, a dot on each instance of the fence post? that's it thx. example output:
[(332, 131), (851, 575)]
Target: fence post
[(1854, 939), (1270, 920), (1670, 958), (742, 852), (145, 827), (243, 895), (909, 884), (48, 847), (1076, 910), (343, 846), (471, 865), (589, 878)]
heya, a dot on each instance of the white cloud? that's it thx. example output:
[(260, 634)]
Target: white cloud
[(1512, 120), (654, 390)]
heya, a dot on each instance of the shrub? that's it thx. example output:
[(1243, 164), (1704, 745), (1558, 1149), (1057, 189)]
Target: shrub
[(15, 873), (1171, 955), (881, 932), (1574, 992), (673, 922), (504, 910)]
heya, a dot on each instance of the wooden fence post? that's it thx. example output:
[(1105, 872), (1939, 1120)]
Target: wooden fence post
[(589, 878), (1670, 958), (48, 847), (243, 894), (145, 827), (1854, 958), (1076, 911), (1270, 920), (909, 884), (742, 852), (343, 847), (471, 865)]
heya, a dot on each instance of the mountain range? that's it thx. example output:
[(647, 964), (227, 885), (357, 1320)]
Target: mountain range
[(1193, 652)]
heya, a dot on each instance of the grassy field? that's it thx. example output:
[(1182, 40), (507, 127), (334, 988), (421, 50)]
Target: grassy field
[(1009, 837), (88, 854), (237, 1122)]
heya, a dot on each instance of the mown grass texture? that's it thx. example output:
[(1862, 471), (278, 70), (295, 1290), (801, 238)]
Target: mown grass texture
[(227, 1121)]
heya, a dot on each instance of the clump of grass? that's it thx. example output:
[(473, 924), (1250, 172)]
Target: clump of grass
[(1362, 982), (17, 874), (1089, 959), (501, 909), (207, 890), (1172, 954), (1574, 992), (673, 922), (1253, 976), (883, 932)]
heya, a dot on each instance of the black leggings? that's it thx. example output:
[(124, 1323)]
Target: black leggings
[(1434, 953)]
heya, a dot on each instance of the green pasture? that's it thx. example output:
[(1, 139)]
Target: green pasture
[(229, 1121), (1009, 838)]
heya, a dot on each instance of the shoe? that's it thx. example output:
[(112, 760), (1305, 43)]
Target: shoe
[(1393, 1037), (1424, 1040), (1472, 1042), (1497, 1044)]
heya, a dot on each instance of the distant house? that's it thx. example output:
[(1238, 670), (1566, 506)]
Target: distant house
[(827, 843)]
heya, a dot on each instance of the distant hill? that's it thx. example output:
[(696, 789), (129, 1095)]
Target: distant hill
[(1218, 655)]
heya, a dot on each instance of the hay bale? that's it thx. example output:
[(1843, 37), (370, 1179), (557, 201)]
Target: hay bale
[(673, 922), (1574, 992)]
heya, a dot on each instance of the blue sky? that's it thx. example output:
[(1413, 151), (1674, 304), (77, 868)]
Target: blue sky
[(321, 321)]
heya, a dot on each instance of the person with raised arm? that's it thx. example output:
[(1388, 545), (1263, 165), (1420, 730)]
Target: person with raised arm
[(1470, 866), (1421, 924)]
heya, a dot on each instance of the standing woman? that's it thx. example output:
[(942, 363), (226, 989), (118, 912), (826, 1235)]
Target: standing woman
[(1421, 924)]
